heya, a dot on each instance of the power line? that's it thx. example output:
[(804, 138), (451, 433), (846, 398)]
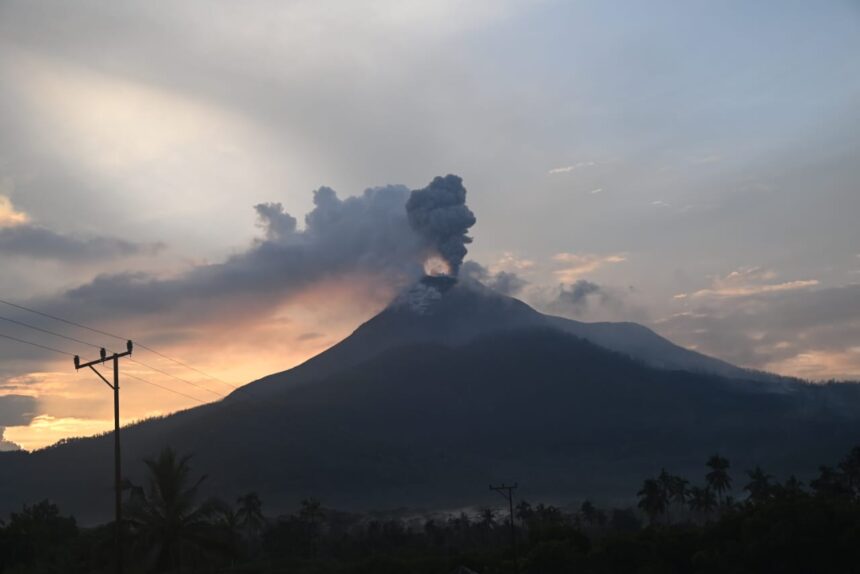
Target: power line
[(202, 402), (187, 382), (142, 380), (66, 321), (36, 345), (108, 334), (178, 362), (35, 328), (82, 342)]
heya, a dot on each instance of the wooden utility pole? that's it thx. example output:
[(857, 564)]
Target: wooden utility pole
[(508, 493), (117, 475)]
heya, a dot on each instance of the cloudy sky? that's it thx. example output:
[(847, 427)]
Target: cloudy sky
[(225, 182)]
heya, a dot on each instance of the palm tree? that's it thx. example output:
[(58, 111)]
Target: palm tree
[(524, 512), (487, 518), (702, 500), (589, 512), (165, 516), (674, 487), (718, 479), (250, 513), (792, 488), (652, 499), (759, 486)]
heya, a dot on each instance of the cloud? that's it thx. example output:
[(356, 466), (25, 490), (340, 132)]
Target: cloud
[(570, 168), (9, 216), (576, 295), (15, 410), (275, 221), (510, 261), (582, 296), (807, 332), (505, 282), (745, 282), (576, 265), (38, 242), (20, 237)]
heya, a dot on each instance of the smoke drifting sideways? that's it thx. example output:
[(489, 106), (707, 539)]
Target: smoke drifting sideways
[(384, 235), (438, 213)]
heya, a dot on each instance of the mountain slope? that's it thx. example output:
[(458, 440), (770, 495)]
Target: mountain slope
[(429, 425)]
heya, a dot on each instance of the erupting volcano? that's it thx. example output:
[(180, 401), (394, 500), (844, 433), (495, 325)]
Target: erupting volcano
[(454, 385)]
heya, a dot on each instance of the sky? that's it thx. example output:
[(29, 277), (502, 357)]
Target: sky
[(225, 182)]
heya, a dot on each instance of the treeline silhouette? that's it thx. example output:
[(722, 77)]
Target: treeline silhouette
[(677, 526)]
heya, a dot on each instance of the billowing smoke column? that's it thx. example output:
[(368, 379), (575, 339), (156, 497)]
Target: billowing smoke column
[(439, 214)]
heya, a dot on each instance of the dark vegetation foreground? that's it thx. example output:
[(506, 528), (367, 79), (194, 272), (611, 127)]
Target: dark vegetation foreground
[(677, 526)]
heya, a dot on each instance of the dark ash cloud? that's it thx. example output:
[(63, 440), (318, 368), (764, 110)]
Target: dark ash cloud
[(275, 221), (505, 282), (439, 214), (39, 242)]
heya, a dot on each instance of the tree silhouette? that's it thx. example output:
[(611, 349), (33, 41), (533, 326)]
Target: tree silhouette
[(165, 517), (759, 487), (487, 518), (250, 513), (652, 499), (589, 512), (702, 500), (792, 488), (674, 488), (524, 512), (850, 467), (718, 478)]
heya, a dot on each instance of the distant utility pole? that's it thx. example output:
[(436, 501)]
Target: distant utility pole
[(117, 477), (508, 493)]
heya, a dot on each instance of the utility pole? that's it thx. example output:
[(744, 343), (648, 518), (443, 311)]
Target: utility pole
[(117, 477), (508, 493)]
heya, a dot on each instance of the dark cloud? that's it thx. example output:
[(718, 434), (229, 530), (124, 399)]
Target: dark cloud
[(16, 410), (505, 282), (368, 233), (42, 243), (439, 214), (7, 445), (275, 221)]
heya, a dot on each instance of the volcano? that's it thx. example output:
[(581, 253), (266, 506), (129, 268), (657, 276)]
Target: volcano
[(454, 386)]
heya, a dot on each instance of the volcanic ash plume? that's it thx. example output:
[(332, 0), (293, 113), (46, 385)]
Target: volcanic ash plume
[(439, 214)]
